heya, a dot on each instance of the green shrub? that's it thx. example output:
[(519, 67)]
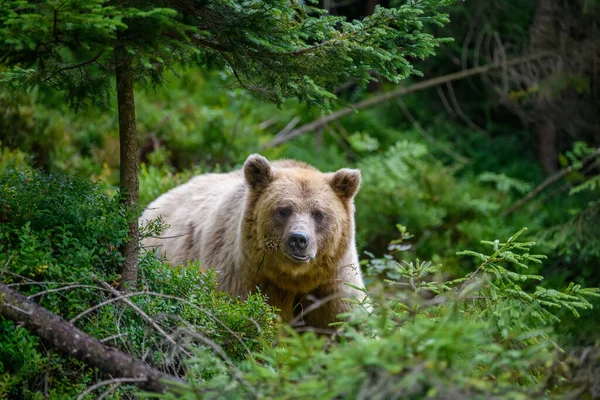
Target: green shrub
[(59, 240), (475, 337), (14, 158), (157, 180), (406, 185)]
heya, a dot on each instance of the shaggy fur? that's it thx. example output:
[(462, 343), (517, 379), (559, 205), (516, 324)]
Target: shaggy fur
[(240, 223)]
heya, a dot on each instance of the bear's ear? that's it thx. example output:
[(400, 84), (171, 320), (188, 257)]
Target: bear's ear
[(258, 171), (346, 182)]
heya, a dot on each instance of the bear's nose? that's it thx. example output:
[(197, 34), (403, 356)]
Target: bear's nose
[(298, 241)]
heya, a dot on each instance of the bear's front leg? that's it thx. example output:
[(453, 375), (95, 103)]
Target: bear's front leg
[(280, 299), (322, 306)]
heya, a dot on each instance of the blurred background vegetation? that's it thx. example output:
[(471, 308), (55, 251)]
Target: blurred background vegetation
[(444, 164)]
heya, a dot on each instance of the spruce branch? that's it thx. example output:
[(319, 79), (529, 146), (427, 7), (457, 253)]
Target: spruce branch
[(80, 65), (206, 43)]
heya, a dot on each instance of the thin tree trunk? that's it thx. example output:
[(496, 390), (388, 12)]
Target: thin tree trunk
[(128, 154), (543, 36), (63, 336), (547, 145)]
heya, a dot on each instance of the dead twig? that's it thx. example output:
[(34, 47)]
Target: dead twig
[(288, 128), (166, 237), (459, 110), (548, 182), (109, 390), (60, 289), (428, 137), (218, 350), (266, 124), (123, 296), (102, 304), (111, 337), (444, 100), (342, 142), (146, 318), (108, 382), (316, 304), (5, 268)]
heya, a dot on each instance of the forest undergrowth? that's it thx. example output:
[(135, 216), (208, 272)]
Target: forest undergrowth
[(484, 335)]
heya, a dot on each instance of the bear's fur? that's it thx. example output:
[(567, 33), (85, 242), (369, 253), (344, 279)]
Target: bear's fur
[(282, 227)]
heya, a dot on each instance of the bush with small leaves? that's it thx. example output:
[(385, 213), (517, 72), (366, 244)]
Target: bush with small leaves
[(59, 241)]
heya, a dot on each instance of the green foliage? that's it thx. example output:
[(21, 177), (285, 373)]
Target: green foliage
[(420, 337), (59, 241), (201, 120), (505, 183), (14, 158), (487, 335), (407, 185), (382, 40), (592, 184), (39, 124), (60, 222), (199, 124), (578, 235), (274, 49), (513, 306), (155, 181)]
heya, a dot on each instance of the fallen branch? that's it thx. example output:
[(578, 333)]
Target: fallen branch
[(326, 119), (145, 316), (548, 182), (288, 128), (71, 341)]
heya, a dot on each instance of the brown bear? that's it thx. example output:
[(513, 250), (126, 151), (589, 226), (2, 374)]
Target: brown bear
[(282, 227)]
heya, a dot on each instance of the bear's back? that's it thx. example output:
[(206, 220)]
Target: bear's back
[(193, 211)]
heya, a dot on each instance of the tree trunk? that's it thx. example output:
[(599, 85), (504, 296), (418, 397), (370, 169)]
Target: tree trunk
[(128, 154), (546, 141), (543, 36), (63, 336)]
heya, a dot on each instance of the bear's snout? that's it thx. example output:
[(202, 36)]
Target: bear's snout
[(298, 242)]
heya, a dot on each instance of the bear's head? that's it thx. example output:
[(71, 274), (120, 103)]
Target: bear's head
[(301, 221)]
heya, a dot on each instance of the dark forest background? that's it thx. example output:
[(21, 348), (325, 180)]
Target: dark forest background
[(467, 153)]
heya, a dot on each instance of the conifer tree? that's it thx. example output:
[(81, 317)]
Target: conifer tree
[(273, 48)]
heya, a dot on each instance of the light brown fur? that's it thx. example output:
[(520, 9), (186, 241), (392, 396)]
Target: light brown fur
[(231, 222)]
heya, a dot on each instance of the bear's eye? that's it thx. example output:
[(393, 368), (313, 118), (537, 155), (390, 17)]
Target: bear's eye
[(318, 216), (284, 212)]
